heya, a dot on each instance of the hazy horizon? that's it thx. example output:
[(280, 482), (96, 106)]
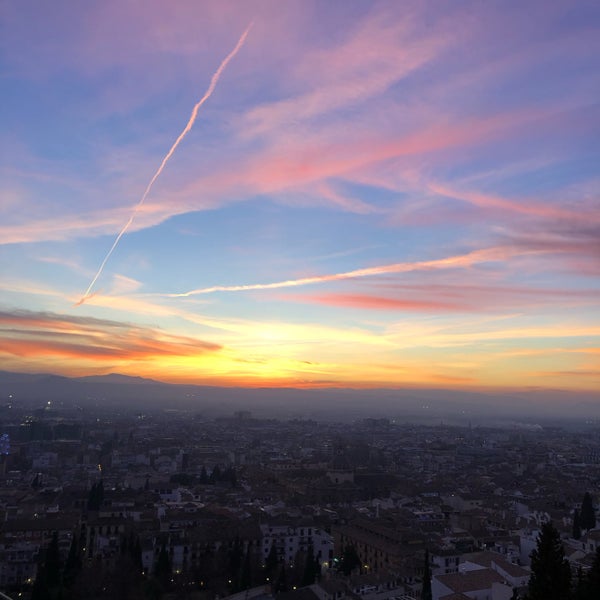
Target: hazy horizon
[(117, 392)]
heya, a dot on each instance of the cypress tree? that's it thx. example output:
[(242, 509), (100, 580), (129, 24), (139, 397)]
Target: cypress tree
[(203, 475), (587, 516), (317, 567), (281, 583), (48, 579), (236, 554), (350, 560), (576, 525), (73, 564), (426, 591), (137, 553), (579, 590), (271, 563), (550, 572), (52, 564), (591, 584), (309, 575), (246, 575), (162, 568), (96, 496), (215, 475), (40, 590), (91, 503)]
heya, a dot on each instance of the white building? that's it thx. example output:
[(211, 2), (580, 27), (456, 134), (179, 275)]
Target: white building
[(291, 539), (482, 576)]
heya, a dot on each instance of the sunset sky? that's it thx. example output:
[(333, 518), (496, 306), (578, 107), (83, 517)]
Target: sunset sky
[(373, 194)]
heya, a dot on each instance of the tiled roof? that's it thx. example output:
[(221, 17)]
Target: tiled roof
[(454, 596), (470, 581)]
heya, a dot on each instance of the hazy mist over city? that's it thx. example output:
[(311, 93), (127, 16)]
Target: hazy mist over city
[(299, 300), (519, 409)]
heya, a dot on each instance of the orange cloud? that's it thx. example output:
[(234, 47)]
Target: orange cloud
[(28, 334)]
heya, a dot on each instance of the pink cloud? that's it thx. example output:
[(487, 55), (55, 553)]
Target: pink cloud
[(347, 203), (308, 160), (381, 51), (92, 223), (317, 157), (442, 298), (524, 206), (372, 302)]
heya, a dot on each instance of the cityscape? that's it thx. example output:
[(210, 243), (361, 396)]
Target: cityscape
[(299, 300), (173, 503)]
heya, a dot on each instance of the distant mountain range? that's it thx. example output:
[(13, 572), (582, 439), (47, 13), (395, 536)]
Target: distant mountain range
[(117, 392)]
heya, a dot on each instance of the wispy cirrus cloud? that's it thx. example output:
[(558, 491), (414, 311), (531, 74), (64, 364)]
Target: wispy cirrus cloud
[(456, 145), (440, 338), (379, 53), (452, 298), (524, 206), (308, 160)]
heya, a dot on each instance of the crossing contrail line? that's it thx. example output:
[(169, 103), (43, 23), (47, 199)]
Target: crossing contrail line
[(211, 88)]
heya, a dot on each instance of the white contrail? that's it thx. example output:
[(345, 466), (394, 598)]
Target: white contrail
[(211, 88), (461, 260)]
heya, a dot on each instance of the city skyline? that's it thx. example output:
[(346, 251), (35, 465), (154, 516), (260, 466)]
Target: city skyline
[(368, 194)]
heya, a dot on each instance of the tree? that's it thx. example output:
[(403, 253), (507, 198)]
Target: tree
[(73, 564), (96, 496), (52, 563), (350, 560), (576, 525), (203, 475), (281, 583), (233, 478), (550, 572), (39, 591), (246, 575), (215, 475), (587, 516), (271, 563), (236, 555), (588, 587), (579, 588), (426, 591), (48, 579), (162, 567), (311, 567)]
